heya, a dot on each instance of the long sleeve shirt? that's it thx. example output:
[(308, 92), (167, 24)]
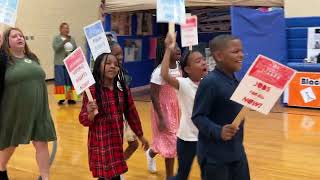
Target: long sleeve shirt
[(59, 51), (212, 110), (105, 138)]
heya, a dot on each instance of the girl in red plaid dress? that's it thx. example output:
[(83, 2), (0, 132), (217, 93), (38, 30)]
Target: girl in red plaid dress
[(105, 138)]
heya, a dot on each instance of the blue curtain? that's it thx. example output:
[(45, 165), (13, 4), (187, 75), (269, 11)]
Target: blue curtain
[(261, 33)]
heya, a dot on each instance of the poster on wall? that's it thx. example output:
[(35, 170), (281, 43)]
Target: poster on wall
[(121, 23), (304, 90), (313, 44), (144, 20), (263, 84), (8, 12), (152, 48), (132, 50), (209, 58)]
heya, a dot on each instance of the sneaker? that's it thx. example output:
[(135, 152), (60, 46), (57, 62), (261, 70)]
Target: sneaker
[(151, 162), (122, 177), (71, 102), (61, 102)]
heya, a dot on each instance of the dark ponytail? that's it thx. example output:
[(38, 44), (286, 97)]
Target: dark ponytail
[(98, 86), (123, 83), (97, 77)]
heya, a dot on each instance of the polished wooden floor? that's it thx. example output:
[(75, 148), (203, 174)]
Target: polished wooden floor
[(284, 145)]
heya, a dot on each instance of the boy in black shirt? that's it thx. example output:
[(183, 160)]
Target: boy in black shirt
[(220, 150)]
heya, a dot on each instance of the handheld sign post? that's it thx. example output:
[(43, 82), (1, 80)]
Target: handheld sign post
[(8, 12), (79, 71), (189, 32), (262, 86), (97, 39), (172, 12)]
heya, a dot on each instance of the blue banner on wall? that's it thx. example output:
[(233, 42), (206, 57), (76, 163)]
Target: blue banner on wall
[(261, 33)]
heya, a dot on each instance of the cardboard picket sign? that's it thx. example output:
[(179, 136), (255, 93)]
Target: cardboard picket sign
[(8, 12), (171, 11), (262, 86), (97, 39), (189, 32), (79, 72)]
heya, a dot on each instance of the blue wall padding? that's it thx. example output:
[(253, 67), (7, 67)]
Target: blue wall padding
[(261, 33)]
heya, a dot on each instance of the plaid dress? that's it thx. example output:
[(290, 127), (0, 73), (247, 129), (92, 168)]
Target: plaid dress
[(105, 138)]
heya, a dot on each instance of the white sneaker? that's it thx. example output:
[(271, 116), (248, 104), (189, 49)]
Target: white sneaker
[(122, 177), (151, 162)]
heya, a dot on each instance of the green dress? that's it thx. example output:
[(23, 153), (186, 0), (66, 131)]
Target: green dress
[(24, 109)]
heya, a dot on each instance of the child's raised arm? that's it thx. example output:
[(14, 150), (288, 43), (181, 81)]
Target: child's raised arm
[(170, 44)]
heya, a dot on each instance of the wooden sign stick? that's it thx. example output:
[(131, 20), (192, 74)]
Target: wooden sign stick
[(240, 117), (91, 99)]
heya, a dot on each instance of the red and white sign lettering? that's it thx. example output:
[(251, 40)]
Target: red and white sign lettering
[(263, 84), (189, 32), (79, 71)]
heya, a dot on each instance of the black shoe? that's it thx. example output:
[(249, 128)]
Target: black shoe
[(71, 102), (61, 102), (4, 175), (100, 178)]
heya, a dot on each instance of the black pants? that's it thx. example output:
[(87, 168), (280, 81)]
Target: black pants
[(237, 170), (4, 175), (114, 178), (186, 151)]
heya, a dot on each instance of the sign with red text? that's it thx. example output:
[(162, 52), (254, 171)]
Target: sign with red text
[(79, 70), (189, 32), (263, 84)]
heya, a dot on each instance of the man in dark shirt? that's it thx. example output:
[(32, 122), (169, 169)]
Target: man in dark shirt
[(220, 150)]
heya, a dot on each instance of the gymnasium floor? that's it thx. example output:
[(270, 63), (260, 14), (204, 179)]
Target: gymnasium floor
[(285, 145)]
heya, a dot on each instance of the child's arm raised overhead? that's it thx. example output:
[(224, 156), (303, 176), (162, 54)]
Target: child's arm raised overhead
[(170, 43)]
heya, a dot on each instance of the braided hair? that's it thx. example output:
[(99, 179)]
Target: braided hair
[(160, 51), (122, 81), (185, 58), (118, 83)]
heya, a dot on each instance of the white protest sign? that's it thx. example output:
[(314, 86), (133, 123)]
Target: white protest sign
[(97, 39), (263, 84), (79, 71), (189, 32), (171, 11), (8, 12)]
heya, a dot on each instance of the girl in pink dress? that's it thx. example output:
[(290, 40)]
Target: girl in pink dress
[(165, 117)]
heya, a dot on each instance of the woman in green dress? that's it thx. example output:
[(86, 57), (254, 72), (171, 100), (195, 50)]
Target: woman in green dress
[(25, 114)]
